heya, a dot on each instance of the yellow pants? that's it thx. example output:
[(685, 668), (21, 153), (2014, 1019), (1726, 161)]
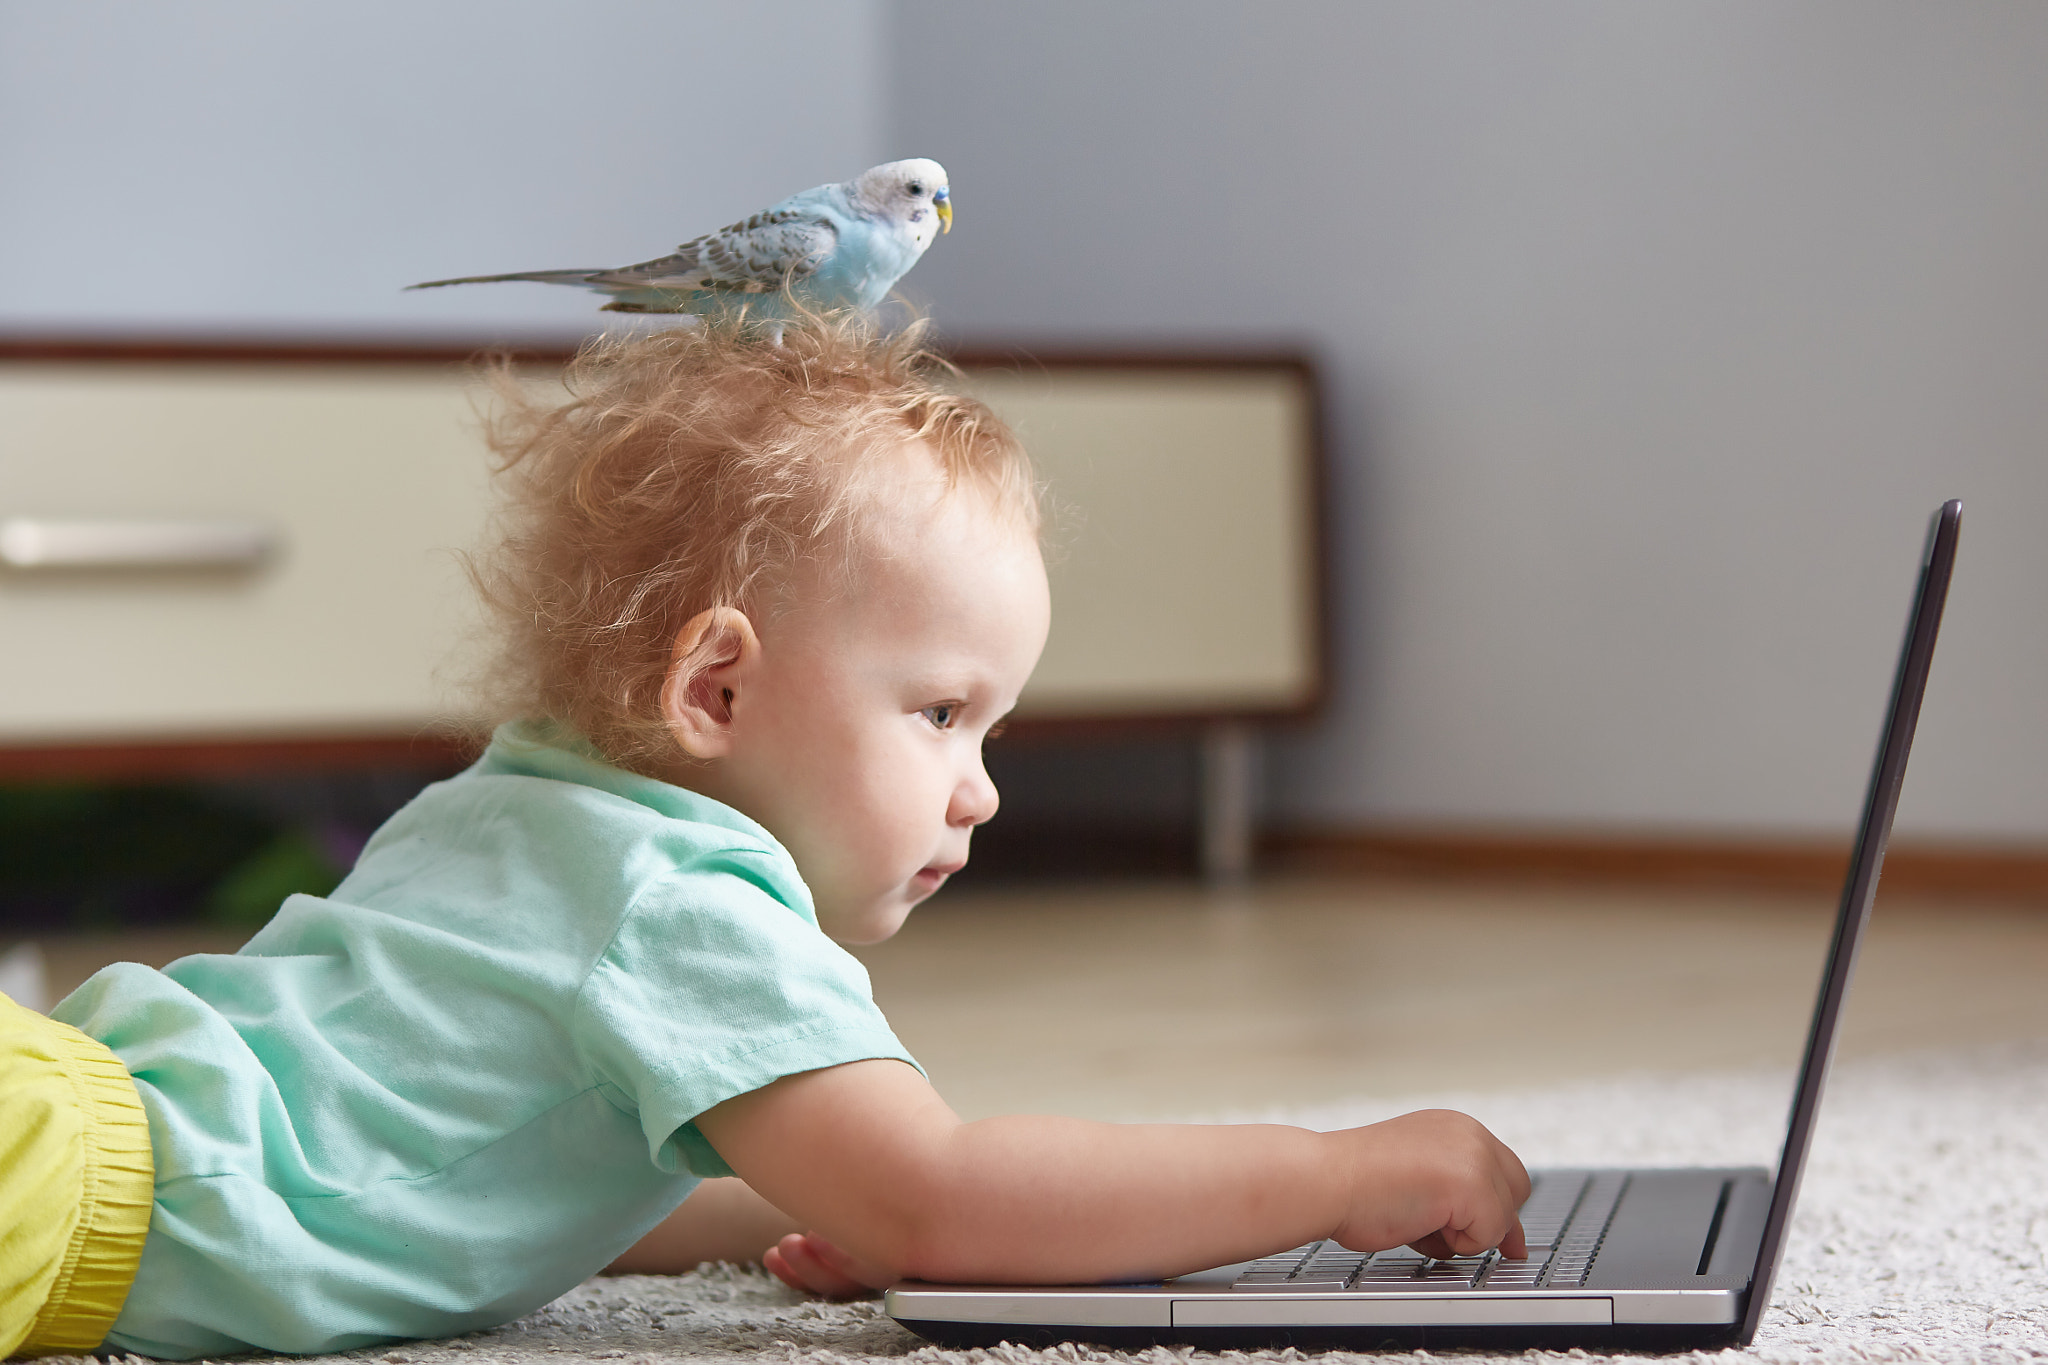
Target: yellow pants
[(76, 1185)]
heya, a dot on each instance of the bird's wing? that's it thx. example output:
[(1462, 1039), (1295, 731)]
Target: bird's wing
[(756, 256)]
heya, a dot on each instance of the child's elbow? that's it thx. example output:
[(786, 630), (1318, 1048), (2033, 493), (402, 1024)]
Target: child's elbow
[(937, 1261), (924, 1239), (915, 1249)]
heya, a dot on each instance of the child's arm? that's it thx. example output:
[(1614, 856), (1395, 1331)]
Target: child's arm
[(868, 1155), (722, 1220)]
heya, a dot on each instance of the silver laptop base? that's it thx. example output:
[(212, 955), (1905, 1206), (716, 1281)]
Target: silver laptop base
[(1624, 1259), (1619, 1337)]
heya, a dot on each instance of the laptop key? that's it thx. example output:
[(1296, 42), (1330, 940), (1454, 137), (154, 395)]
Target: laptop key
[(1289, 1284)]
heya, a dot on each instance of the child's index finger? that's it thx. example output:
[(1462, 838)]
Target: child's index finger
[(1515, 1246)]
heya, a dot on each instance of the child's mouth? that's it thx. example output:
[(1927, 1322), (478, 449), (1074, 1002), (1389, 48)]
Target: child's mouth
[(932, 878)]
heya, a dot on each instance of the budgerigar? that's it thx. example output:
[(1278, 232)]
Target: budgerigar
[(836, 246)]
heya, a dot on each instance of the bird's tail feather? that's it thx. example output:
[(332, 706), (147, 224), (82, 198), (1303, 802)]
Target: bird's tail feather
[(536, 276)]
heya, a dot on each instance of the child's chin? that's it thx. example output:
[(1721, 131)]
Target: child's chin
[(877, 924)]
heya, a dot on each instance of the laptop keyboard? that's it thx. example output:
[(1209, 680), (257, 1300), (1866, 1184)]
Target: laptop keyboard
[(1565, 1219)]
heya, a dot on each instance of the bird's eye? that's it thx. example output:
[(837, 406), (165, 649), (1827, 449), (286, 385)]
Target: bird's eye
[(916, 187)]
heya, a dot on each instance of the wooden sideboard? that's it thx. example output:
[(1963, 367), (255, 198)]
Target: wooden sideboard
[(327, 621)]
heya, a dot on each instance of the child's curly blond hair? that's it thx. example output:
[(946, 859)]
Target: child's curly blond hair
[(692, 469)]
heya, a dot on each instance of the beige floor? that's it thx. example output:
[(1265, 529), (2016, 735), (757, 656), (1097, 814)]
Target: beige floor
[(1128, 1001), (1131, 1002)]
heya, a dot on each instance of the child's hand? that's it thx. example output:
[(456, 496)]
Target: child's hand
[(1435, 1180), (808, 1262)]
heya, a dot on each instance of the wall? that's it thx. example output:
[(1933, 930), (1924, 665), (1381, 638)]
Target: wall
[(246, 166), (1653, 332), (1653, 335)]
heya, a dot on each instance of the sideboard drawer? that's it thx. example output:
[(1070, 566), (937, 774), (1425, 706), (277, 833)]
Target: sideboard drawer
[(365, 479), (277, 536)]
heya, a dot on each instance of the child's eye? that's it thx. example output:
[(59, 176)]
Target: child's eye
[(943, 715)]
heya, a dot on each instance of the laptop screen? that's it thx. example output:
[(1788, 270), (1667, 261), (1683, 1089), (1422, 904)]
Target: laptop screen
[(1879, 805)]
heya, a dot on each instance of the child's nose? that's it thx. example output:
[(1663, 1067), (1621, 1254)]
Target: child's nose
[(974, 800)]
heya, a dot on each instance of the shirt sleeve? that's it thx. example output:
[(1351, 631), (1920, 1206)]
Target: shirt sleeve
[(714, 987)]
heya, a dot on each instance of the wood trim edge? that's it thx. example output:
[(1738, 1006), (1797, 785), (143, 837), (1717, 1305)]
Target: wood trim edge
[(1915, 867), (203, 757), (269, 352)]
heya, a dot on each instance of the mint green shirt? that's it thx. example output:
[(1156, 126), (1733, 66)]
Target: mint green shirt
[(441, 1096)]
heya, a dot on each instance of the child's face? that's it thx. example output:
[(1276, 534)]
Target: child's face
[(854, 724)]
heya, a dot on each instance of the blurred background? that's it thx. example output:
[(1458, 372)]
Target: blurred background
[(1648, 338)]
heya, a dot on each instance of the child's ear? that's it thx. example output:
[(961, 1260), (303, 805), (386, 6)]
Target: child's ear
[(714, 657)]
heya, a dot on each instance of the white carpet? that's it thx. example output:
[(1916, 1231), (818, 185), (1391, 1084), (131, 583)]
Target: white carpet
[(1921, 1232)]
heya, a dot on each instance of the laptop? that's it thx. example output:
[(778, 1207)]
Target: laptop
[(1667, 1259)]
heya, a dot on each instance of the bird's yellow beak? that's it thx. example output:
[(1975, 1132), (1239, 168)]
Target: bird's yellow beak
[(943, 202)]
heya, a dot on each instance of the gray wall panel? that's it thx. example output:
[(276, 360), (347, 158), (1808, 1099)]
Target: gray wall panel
[(1654, 334)]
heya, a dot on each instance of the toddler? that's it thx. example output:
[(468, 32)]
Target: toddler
[(762, 605)]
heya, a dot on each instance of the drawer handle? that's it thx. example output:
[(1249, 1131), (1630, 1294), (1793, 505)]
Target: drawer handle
[(47, 543)]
